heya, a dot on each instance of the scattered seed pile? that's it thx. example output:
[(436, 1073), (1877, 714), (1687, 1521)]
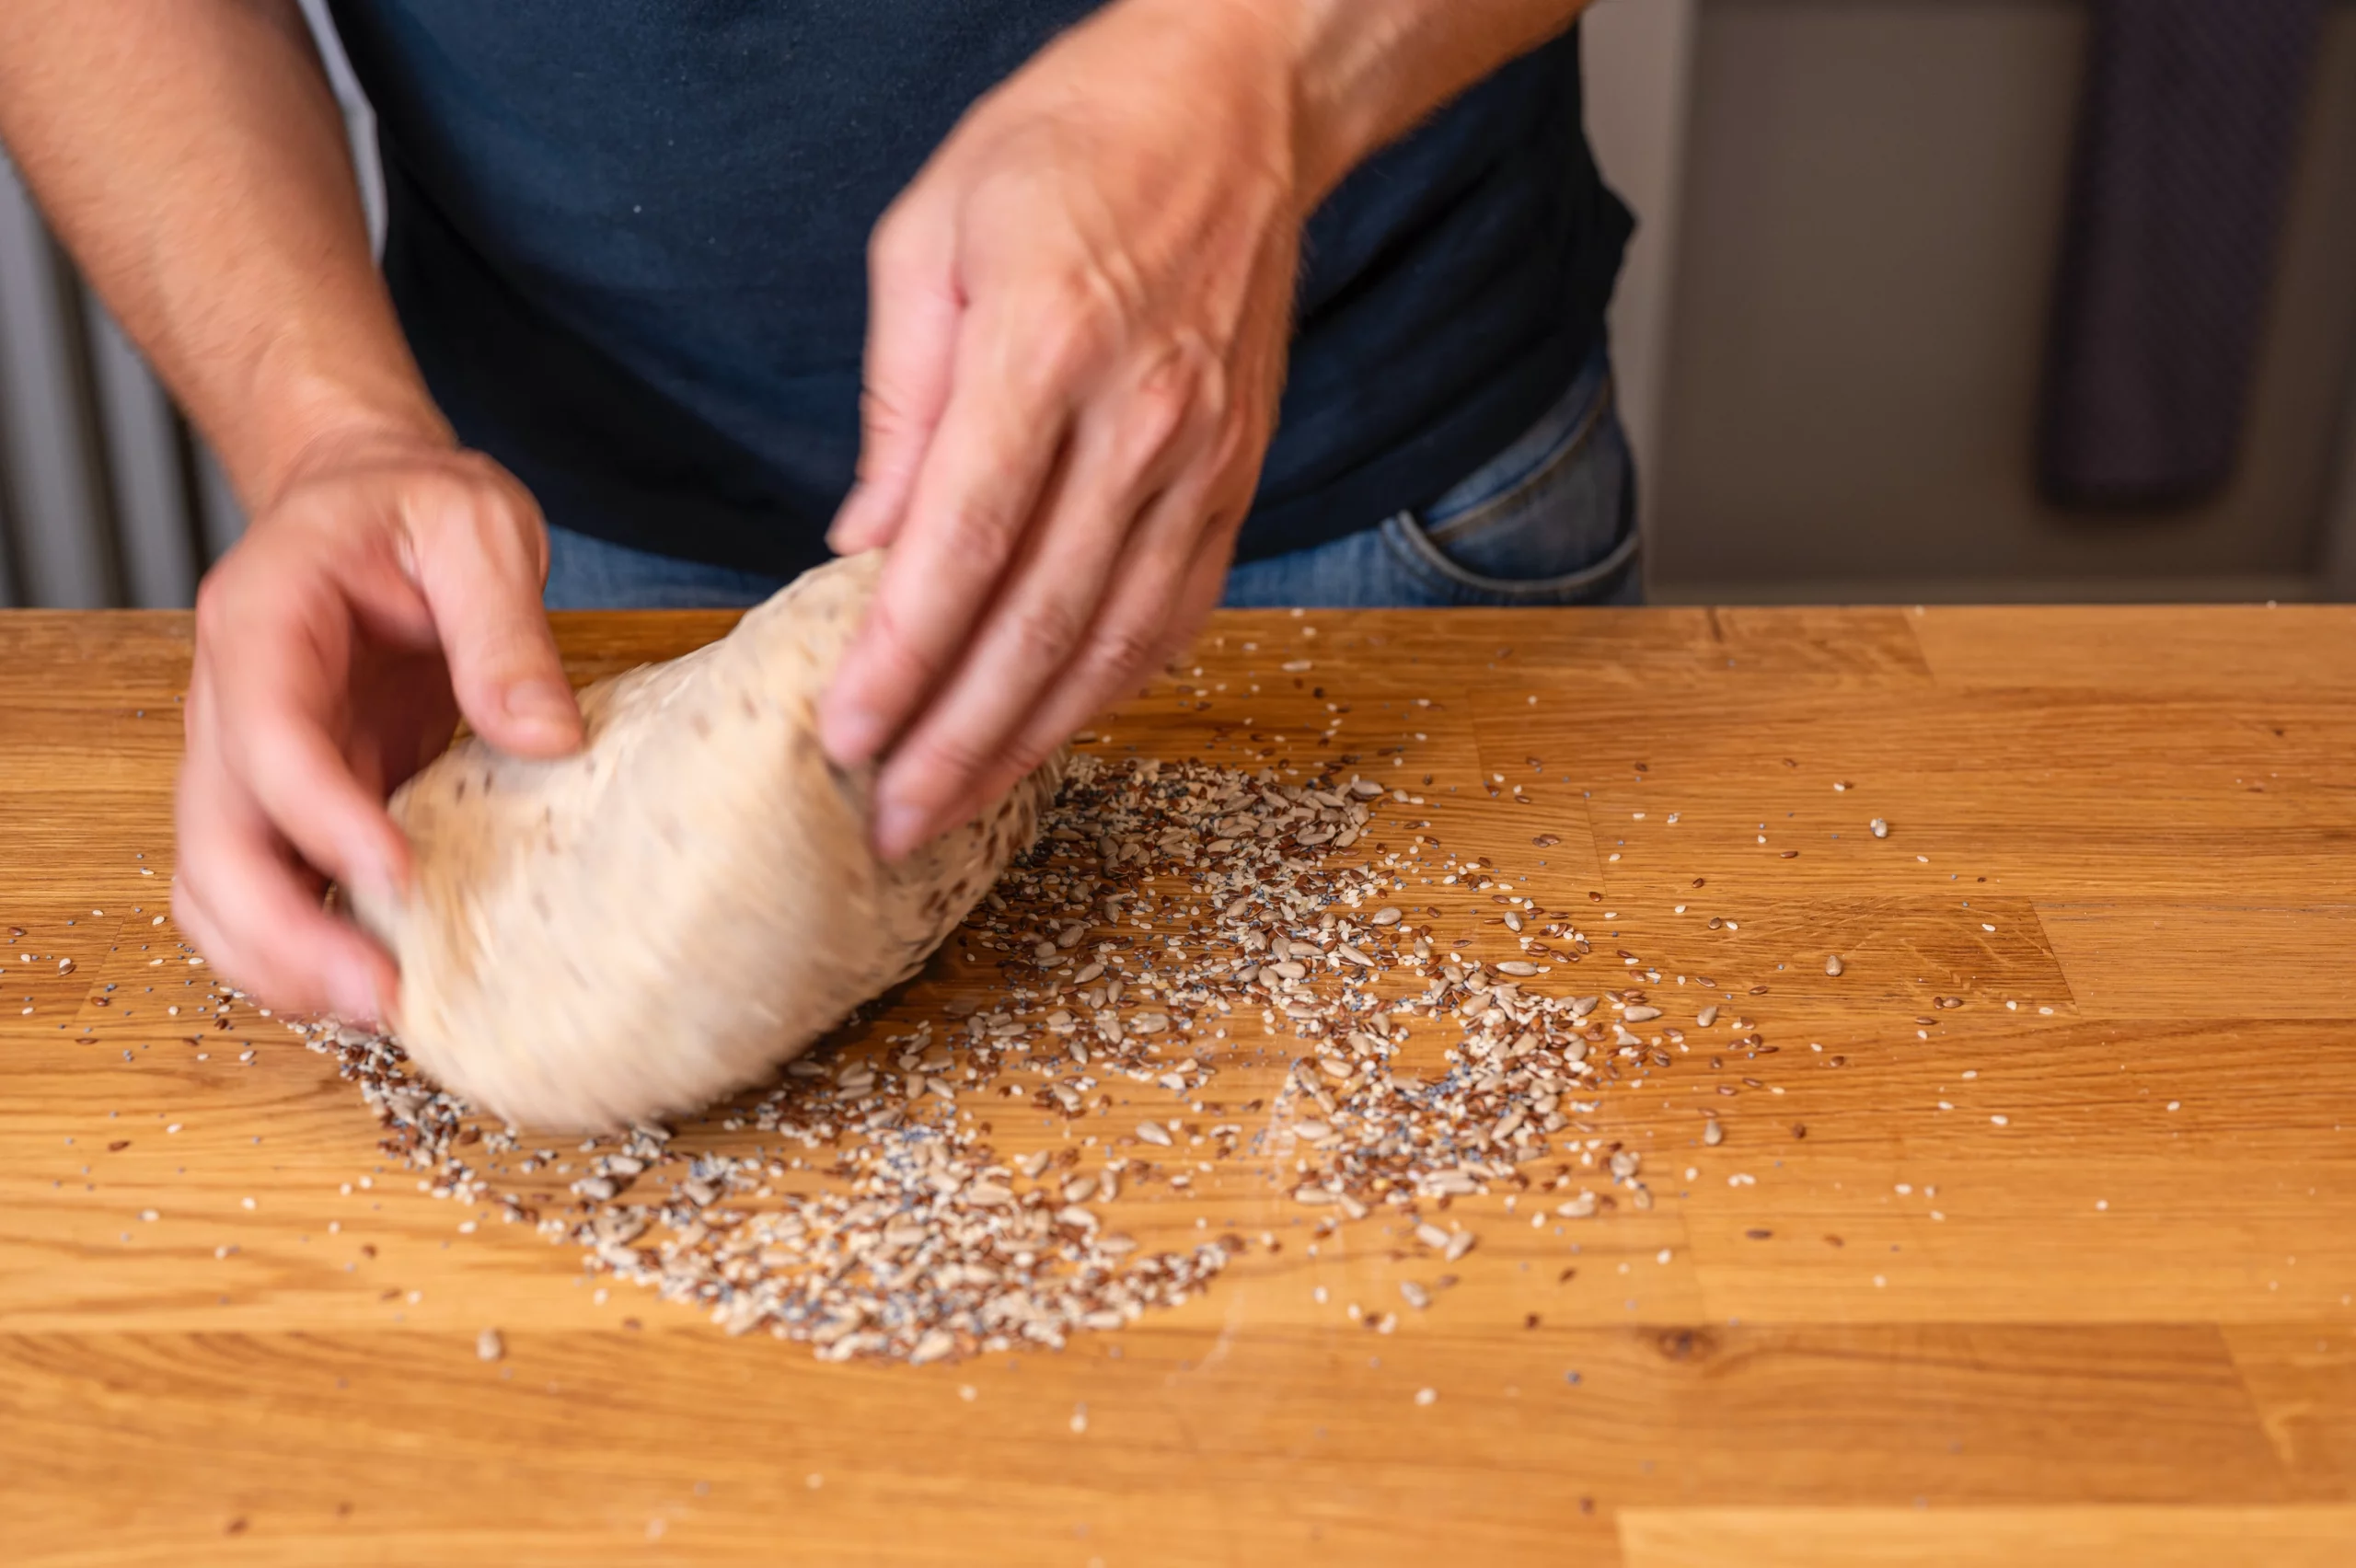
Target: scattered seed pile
[(874, 1218)]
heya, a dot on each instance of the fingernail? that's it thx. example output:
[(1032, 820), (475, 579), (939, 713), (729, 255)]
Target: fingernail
[(899, 828), (540, 702)]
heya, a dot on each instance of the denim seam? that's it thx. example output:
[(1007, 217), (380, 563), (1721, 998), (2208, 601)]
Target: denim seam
[(1421, 557), (1417, 548), (1473, 518)]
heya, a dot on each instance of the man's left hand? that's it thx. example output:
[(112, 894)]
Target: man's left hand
[(1079, 322)]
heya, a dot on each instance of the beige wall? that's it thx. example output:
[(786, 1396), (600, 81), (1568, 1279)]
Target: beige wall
[(1869, 201)]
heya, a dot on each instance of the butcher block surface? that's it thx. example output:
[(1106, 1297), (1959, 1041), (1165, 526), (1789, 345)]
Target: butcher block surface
[(2033, 1242)]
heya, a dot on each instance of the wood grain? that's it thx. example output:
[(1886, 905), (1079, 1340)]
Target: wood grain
[(2116, 1326), (2014, 1538)]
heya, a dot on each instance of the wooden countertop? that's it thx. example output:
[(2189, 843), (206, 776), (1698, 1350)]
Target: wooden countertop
[(2090, 1299)]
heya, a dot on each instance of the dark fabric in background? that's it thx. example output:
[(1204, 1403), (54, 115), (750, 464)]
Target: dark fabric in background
[(2189, 130), (628, 243)]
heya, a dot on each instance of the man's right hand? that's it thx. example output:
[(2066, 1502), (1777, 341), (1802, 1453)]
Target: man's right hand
[(390, 585)]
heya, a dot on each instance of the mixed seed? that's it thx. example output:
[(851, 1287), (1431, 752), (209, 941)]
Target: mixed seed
[(863, 1204), (875, 1216)]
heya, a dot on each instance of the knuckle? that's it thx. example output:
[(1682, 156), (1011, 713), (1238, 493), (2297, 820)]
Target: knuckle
[(1163, 411), (981, 529), (1213, 390), (470, 467), (431, 505), (464, 487), (256, 591), (1171, 386), (1077, 331), (501, 493), (1176, 404), (1022, 754), (1184, 363), (461, 524), (884, 420), (1045, 634), (953, 759), (1118, 650)]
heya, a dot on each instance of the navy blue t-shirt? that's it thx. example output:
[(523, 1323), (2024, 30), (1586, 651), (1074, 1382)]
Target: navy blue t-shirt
[(628, 245)]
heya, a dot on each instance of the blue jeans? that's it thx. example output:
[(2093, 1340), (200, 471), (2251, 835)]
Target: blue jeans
[(1551, 520)]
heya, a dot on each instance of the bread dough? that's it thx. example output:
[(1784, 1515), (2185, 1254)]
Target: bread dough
[(683, 905)]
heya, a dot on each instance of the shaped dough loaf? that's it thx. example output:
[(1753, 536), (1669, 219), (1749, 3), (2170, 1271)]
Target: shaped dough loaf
[(685, 904)]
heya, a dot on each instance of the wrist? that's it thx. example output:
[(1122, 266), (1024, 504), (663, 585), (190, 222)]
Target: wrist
[(1358, 74), (1253, 55), (1331, 64), (306, 418)]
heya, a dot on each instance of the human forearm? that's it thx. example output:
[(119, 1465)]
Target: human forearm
[(193, 157), (1363, 73)]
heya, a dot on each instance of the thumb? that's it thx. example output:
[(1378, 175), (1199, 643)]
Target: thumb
[(481, 558), (913, 312)]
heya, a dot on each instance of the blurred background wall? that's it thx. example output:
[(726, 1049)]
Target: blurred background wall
[(1829, 335), (1831, 342)]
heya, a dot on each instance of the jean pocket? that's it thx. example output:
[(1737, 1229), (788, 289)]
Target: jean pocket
[(1561, 532)]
